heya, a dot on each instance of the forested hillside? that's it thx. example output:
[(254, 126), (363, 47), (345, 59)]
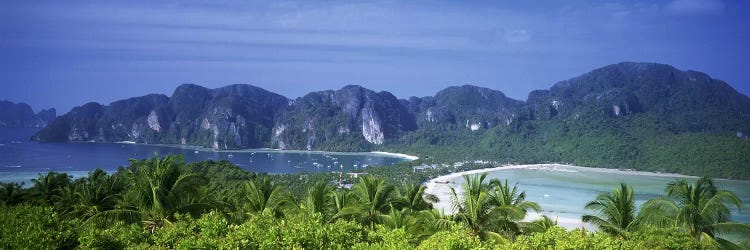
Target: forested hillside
[(628, 115)]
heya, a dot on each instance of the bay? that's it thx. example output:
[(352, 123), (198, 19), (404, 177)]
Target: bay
[(563, 191), (22, 159)]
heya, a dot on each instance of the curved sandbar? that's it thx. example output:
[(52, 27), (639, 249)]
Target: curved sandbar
[(441, 185), (397, 155), (273, 150)]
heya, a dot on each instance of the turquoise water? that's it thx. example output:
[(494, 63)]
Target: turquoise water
[(22, 159), (563, 194)]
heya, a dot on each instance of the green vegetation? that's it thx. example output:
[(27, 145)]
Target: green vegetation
[(702, 209), (162, 203), (616, 211), (493, 210), (641, 141)]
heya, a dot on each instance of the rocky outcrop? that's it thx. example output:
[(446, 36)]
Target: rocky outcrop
[(352, 115), (46, 116), (467, 106), (236, 116), (691, 101), (355, 118), (20, 115)]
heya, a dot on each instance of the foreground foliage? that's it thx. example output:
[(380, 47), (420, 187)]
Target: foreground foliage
[(162, 203)]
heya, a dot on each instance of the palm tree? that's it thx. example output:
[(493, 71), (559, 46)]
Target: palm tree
[(11, 193), (342, 198), (412, 197), (511, 205), (539, 225), (47, 186), (319, 199), (492, 209), (97, 193), (429, 222), (159, 190), (701, 209), (262, 196), (615, 211), (474, 208), (374, 198), (396, 219)]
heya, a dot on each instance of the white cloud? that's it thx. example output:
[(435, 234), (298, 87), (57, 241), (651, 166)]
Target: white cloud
[(517, 35), (696, 7)]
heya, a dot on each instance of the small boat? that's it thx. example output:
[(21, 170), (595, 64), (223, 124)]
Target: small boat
[(195, 152), (230, 156)]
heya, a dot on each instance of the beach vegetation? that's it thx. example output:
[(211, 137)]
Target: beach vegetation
[(164, 203)]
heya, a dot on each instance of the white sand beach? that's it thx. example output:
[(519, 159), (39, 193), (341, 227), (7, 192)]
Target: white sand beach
[(399, 155), (274, 150), (441, 185)]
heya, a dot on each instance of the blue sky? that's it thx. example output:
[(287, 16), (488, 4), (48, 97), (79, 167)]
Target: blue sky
[(64, 53)]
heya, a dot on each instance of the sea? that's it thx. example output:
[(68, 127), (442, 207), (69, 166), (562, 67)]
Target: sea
[(22, 159), (562, 192)]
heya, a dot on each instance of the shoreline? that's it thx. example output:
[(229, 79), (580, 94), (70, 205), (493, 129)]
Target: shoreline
[(441, 185), (268, 150), (397, 155), (553, 165)]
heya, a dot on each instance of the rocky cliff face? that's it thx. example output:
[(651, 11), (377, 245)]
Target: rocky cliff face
[(356, 118), (352, 115), (466, 106), (691, 101), (47, 116), (236, 116), (20, 115)]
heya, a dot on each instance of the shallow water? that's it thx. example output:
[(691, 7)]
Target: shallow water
[(22, 159), (563, 194)]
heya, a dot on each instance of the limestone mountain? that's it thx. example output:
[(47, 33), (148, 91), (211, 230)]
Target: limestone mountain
[(644, 115), (356, 118), (688, 101), (465, 106), (20, 115), (350, 118), (235, 116)]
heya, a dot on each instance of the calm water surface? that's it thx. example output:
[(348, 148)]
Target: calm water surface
[(22, 159), (562, 193)]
